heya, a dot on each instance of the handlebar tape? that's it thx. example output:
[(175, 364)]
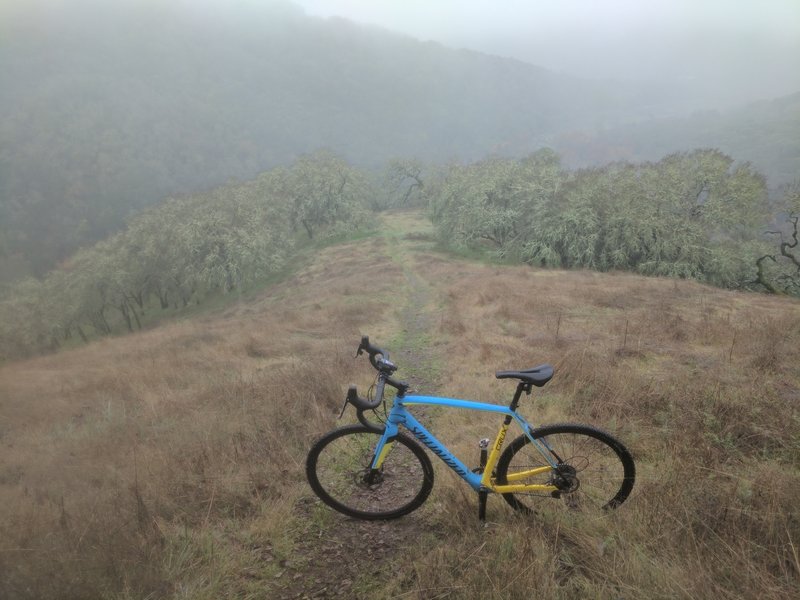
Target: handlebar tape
[(371, 350), (352, 393), (360, 403)]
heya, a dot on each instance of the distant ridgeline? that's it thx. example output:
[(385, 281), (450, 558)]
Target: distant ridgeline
[(109, 107), (766, 133), (691, 215)]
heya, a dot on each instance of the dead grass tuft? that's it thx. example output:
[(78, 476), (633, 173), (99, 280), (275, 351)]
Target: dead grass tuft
[(771, 339)]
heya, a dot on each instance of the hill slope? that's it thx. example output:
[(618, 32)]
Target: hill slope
[(187, 442), (108, 107), (766, 133)]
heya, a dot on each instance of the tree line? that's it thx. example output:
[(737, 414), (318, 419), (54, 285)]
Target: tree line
[(177, 253), (695, 214)]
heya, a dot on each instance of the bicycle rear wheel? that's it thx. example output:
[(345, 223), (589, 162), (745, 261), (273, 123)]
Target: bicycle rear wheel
[(338, 469), (595, 471)]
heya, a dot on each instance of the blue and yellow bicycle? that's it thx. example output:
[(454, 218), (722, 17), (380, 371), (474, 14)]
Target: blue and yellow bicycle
[(372, 471)]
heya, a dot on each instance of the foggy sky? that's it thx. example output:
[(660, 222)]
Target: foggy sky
[(732, 50), (714, 53)]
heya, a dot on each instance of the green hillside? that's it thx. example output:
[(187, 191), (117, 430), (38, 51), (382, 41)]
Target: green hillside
[(170, 463), (107, 108), (694, 215)]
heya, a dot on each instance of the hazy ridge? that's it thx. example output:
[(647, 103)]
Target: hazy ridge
[(107, 109), (766, 133)]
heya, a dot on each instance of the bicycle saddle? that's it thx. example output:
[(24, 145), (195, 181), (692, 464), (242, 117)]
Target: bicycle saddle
[(538, 376)]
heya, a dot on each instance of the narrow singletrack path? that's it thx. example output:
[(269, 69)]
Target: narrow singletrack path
[(338, 557)]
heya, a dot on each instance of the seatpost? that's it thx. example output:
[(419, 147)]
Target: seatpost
[(521, 387)]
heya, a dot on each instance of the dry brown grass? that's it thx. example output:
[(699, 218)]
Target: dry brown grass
[(166, 462), (169, 463), (700, 383)]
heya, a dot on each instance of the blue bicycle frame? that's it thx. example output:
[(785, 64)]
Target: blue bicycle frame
[(481, 482)]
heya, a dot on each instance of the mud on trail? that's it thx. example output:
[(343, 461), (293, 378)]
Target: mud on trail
[(335, 556)]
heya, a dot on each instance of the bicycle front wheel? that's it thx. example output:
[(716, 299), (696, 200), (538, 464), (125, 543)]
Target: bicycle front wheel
[(595, 471), (338, 469)]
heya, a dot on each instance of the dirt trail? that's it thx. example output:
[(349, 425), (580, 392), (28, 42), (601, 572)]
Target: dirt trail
[(415, 354), (348, 558)]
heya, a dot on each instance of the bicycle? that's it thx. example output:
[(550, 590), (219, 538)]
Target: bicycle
[(368, 471)]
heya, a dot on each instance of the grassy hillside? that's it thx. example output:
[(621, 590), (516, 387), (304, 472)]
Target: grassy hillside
[(169, 463)]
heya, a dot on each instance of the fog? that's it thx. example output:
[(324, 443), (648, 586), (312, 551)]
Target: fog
[(718, 53), (721, 53), (109, 106)]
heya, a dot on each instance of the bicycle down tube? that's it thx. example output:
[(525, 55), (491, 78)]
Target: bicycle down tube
[(400, 416)]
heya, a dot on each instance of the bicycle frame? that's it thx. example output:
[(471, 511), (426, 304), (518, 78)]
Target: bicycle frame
[(482, 482)]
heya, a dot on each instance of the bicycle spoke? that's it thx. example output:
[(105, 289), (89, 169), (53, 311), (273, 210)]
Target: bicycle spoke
[(339, 471), (595, 472)]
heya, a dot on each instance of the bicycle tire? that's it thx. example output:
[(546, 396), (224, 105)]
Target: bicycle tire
[(338, 462), (598, 472)]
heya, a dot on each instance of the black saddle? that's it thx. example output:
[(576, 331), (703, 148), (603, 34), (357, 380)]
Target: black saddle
[(538, 376)]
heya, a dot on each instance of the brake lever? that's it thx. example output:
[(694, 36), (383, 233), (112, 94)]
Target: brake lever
[(344, 407)]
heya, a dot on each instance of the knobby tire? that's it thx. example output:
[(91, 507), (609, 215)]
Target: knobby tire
[(597, 467), (338, 463)]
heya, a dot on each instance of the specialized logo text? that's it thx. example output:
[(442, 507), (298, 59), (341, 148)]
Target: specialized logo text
[(420, 435)]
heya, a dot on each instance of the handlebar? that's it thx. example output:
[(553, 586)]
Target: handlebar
[(384, 367), (373, 351), (360, 403)]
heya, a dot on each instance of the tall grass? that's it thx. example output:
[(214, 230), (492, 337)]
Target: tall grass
[(166, 463), (700, 383), (169, 463)]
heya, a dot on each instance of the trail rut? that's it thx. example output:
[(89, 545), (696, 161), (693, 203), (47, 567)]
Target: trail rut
[(348, 558)]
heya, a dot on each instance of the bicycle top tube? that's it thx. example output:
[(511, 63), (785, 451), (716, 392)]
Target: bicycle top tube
[(411, 400), (399, 415), (379, 359)]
